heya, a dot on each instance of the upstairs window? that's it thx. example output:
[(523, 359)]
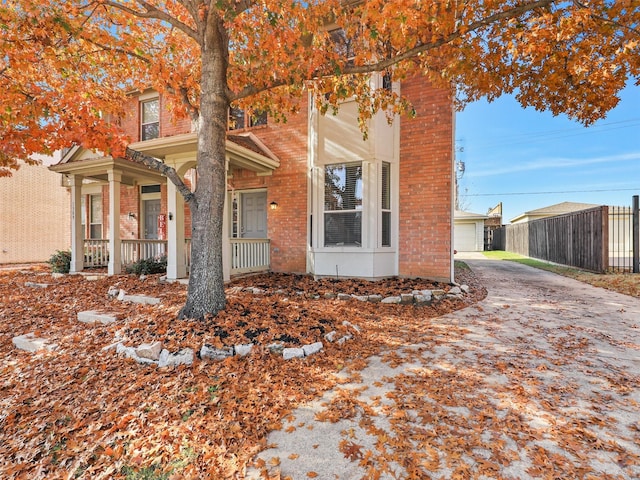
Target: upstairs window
[(240, 119), (343, 205), (149, 119)]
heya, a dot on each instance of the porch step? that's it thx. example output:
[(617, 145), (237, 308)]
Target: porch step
[(30, 343), (93, 317)]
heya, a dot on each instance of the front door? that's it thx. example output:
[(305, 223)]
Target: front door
[(254, 215), (151, 212)]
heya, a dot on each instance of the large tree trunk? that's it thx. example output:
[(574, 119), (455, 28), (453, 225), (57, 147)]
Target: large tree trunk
[(206, 281)]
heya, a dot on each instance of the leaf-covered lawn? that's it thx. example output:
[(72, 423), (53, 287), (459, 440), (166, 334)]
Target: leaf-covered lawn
[(82, 412)]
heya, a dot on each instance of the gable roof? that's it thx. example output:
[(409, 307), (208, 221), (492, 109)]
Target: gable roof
[(461, 215), (556, 209)]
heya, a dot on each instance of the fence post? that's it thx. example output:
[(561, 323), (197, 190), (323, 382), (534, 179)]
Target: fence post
[(636, 235)]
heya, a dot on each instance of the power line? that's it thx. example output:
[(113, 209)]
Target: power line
[(550, 135), (547, 193)]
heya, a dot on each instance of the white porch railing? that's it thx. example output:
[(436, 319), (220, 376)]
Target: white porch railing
[(134, 250), (249, 255), (96, 253)]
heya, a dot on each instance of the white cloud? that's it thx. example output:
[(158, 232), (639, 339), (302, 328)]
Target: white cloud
[(550, 164)]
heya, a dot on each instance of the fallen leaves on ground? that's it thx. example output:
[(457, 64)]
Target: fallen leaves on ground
[(83, 412)]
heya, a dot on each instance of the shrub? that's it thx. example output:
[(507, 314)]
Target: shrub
[(148, 265), (60, 261)]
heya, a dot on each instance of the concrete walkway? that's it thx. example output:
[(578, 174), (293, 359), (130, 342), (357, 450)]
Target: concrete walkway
[(540, 380)]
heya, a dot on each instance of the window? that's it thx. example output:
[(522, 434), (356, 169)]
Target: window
[(343, 205), (385, 205), (150, 119), (95, 216), (150, 189), (240, 119)]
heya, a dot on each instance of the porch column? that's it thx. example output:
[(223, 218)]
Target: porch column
[(176, 266), (77, 235), (226, 243), (115, 255)]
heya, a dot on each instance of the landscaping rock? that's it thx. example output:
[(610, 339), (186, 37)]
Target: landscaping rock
[(142, 299), (113, 292), (130, 352), (455, 291), (212, 353), (30, 343), (36, 285), (420, 299), (344, 339), (329, 295), (276, 347), (150, 351), (392, 300), (375, 298), (312, 348), (243, 350), (465, 288), (289, 353), (57, 275), (437, 294), (362, 298), (331, 336), (121, 294), (348, 324), (344, 296), (168, 359), (406, 298), (93, 317)]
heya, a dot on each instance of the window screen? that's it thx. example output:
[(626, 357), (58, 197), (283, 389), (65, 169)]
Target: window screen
[(343, 204)]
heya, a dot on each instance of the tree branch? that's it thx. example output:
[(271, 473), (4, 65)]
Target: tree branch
[(457, 34), (607, 20), (153, 12), (164, 169), (408, 54)]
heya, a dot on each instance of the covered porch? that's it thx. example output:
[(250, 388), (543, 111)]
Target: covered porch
[(84, 171), (248, 255)]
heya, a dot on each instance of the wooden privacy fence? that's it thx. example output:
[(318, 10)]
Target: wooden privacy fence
[(579, 239)]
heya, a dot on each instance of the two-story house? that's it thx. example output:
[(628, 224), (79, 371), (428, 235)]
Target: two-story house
[(307, 196)]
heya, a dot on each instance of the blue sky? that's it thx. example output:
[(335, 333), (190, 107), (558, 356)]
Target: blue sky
[(515, 156)]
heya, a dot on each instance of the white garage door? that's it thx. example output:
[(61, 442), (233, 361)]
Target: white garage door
[(464, 237)]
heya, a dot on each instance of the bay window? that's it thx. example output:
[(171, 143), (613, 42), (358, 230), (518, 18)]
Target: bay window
[(343, 204)]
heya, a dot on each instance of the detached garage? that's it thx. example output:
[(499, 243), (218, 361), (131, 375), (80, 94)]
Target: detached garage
[(468, 231)]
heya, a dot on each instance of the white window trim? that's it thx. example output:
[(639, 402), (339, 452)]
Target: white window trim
[(141, 102)]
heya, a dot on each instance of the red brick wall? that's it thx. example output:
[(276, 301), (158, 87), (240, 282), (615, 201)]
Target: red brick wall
[(129, 202), (169, 126), (426, 174), (287, 186)]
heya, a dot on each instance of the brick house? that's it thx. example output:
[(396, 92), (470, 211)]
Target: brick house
[(34, 214), (307, 196)]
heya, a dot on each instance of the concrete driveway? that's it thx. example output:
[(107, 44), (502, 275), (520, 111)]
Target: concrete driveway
[(539, 380)]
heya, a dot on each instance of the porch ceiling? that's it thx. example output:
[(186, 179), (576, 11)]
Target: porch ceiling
[(252, 155)]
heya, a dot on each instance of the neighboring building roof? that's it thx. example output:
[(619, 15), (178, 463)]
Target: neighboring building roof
[(557, 209), (461, 215)]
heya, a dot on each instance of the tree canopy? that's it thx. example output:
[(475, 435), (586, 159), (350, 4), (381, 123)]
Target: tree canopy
[(67, 66)]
